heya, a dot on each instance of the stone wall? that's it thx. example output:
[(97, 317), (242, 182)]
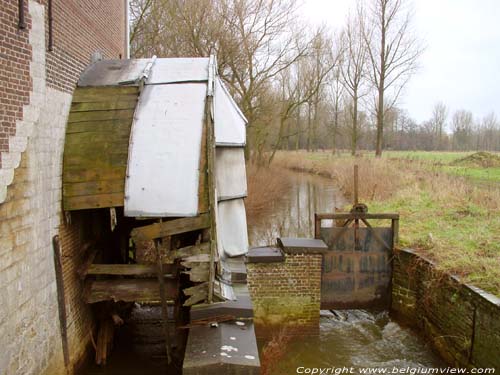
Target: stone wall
[(461, 321), (34, 105), (286, 295)]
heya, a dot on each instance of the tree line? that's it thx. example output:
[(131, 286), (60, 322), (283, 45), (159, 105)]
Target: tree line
[(309, 88)]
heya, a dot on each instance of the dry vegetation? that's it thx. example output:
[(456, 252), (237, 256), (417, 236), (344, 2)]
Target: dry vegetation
[(450, 219), (265, 186)]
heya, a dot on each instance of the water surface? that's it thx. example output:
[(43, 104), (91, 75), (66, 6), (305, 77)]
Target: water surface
[(352, 338)]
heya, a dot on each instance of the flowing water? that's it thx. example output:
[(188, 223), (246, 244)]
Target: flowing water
[(355, 338), (351, 338)]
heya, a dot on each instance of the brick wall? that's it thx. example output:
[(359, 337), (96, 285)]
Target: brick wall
[(35, 97), (286, 295), (462, 322)]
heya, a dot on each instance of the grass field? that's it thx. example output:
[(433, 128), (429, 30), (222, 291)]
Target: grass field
[(449, 206)]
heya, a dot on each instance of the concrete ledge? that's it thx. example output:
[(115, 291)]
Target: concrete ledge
[(302, 245), (265, 254), (229, 348)]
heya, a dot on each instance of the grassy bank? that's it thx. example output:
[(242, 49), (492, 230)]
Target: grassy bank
[(455, 220)]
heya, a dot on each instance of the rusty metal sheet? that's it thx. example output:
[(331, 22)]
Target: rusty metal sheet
[(112, 72), (229, 121), (232, 235), (230, 171), (356, 278), (164, 151), (172, 70)]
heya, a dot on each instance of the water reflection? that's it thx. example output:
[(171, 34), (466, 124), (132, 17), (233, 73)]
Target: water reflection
[(293, 214)]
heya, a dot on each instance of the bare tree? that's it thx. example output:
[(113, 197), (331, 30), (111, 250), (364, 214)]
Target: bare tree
[(335, 97), (463, 124), (438, 121), (353, 70), (302, 84), (393, 51)]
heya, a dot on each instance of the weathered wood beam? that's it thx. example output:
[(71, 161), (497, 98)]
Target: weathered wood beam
[(83, 270), (196, 294), (356, 215), (128, 290), (189, 251), (169, 228), (124, 270)]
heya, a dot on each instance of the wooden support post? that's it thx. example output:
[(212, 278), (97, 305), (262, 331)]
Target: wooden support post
[(317, 227), (163, 296), (357, 245), (356, 197), (212, 199), (395, 233), (61, 303)]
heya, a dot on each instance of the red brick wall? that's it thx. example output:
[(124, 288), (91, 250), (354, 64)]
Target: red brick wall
[(15, 81), (286, 295), (80, 27)]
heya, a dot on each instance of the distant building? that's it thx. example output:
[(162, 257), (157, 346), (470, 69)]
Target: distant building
[(44, 47)]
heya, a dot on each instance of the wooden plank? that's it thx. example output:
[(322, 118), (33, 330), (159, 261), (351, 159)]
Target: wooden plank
[(111, 104), (354, 215), (128, 290), (93, 140), (98, 159), (92, 126), (169, 228), (196, 294), (93, 94), (198, 272), (124, 270), (93, 201), (78, 174), (76, 189), (203, 248), (100, 115)]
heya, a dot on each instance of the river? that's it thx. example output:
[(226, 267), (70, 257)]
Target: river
[(352, 338)]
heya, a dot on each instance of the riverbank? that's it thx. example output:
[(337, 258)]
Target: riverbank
[(453, 220)]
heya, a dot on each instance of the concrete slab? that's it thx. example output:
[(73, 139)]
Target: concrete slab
[(265, 255), (230, 348), (302, 245)]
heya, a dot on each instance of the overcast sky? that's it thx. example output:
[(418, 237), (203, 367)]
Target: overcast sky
[(461, 65)]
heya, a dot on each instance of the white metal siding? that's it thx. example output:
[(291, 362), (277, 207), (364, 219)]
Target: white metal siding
[(164, 151), (230, 124), (231, 175), (179, 70), (232, 234)]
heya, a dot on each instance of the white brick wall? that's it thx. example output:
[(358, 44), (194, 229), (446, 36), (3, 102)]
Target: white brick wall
[(30, 340)]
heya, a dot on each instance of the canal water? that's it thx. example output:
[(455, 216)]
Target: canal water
[(351, 338)]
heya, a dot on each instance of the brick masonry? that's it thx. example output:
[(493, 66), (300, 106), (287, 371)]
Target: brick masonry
[(35, 97), (286, 296), (462, 322)]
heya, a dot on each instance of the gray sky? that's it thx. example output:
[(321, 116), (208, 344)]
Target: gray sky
[(461, 65)]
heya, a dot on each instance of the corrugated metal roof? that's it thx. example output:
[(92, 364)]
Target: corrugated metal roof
[(175, 70), (112, 72), (164, 151)]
